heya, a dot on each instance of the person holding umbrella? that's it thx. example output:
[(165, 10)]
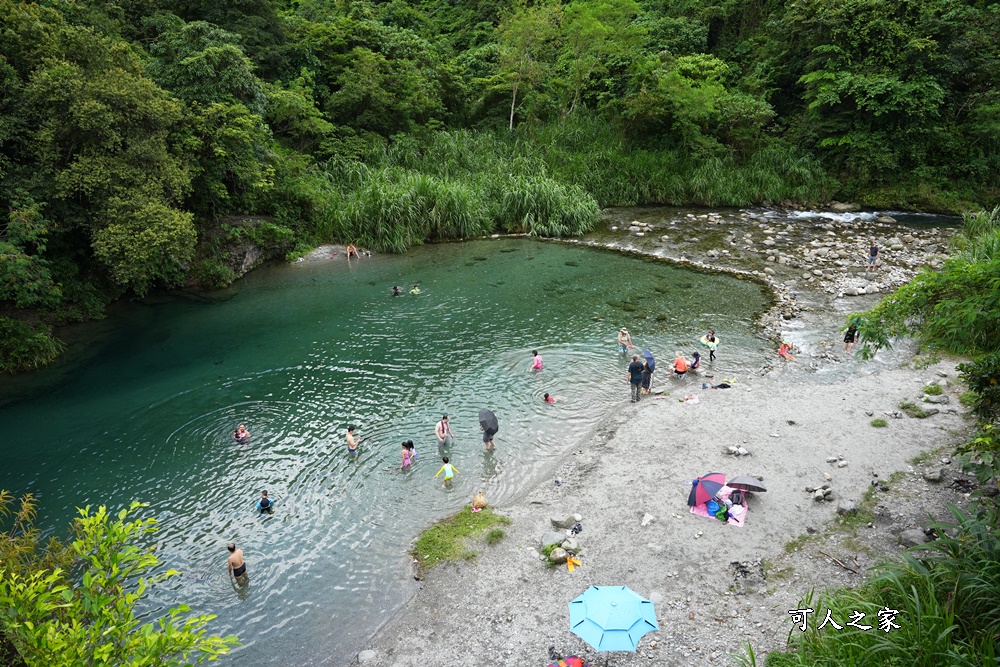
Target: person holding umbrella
[(490, 425), (635, 377)]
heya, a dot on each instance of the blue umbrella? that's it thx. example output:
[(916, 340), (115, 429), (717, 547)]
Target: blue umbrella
[(611, 618), (649, 359)]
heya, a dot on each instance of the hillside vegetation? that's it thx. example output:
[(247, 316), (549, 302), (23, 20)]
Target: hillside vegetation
[(145, 143)]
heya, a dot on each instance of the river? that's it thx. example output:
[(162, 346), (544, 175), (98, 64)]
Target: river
[(298, 352)]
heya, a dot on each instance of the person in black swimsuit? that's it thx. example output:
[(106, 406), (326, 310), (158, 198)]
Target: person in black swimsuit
[(237, 566)]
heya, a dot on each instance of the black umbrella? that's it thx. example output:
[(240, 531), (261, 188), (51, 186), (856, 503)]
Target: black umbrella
[(650, 361), (488, 421), (746, 483)]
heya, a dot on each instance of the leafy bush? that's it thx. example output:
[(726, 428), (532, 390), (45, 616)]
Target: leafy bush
[(943, 593), (23, 348), (56, 620), (933, 390), (879, 423)]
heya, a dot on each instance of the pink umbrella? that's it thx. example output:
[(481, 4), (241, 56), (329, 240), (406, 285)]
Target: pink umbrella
[(704, 488)]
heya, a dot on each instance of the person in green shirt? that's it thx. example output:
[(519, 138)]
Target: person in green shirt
[(449, 471)]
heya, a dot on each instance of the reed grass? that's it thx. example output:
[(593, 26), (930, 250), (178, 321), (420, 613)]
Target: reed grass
[(546, 180)]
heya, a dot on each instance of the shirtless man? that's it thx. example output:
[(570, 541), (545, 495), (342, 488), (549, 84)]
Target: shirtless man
[(237, 567), (352, 441), (443, 432), (352, 250)]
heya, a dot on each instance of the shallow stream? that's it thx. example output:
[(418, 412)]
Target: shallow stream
[(299, 352)]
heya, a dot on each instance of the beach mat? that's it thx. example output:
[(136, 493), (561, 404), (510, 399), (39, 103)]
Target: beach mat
[(725, 492)]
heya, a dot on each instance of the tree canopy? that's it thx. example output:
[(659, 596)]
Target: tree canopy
[(133, 134)]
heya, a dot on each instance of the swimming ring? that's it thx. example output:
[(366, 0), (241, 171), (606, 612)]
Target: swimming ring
[(712, 346)]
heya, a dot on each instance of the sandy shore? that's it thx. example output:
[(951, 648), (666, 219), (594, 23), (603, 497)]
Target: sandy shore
[(509, 605)]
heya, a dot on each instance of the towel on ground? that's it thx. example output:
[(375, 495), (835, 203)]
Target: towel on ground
[(734, 519)]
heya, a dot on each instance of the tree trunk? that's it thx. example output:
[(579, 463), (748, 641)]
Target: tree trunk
[(513, 100)]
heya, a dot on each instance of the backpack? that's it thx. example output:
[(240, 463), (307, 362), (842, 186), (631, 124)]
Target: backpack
[(737, 497)]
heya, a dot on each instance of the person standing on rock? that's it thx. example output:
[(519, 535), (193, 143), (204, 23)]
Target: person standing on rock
[(873, 253), (635, 377)]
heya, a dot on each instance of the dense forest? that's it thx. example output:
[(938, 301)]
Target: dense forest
[(143, 141)]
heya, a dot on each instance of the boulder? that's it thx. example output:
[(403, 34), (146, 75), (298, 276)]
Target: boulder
[(845, 507), (885, 219), (552, 537), (366, 656), (840, 207), (571, 545), (566, 522), (934, 474), (941, 399), (558, 556), (911, 538)]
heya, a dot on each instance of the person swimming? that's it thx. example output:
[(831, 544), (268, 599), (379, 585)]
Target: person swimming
[(551, 399), (265, 504), (416, 289), (241, 433), (396, 291)]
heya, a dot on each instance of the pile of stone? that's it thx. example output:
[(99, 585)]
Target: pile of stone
[(821, 493), (563, 537)]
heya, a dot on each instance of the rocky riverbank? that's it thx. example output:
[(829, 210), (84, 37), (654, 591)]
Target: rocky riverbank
[(842, 493)]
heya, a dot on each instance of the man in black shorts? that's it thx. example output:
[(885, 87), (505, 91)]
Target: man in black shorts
[(237, 566)]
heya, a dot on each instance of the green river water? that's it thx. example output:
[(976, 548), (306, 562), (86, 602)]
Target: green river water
[(297, 353)]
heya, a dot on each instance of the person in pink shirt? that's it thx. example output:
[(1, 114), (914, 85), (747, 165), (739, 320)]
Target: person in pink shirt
[(536, 361)]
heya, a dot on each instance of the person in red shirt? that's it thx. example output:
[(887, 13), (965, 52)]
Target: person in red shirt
[(680, 366)]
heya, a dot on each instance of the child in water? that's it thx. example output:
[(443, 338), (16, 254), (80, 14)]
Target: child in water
[(416, 290), (536, 361), (551, 399), (785, 351), (241, 433), (396, 291), (264, 504), (449, 471), (408, 455), (696, 362)]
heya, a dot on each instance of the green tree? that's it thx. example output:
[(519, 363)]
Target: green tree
[(54, 620), (591, 32), (25, 278), (524, 36)]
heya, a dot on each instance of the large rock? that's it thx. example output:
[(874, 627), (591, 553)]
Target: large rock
[(911, 538), (840, 207), (941, 399), (566, 522), (845, 507), (934, 474), (366, 656), (818, 495), (558, 556), (571, 545), (552, 537)]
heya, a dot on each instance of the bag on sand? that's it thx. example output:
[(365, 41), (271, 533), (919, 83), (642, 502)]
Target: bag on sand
[(737, 497), (479, 501), (723, 514), (712, 506)]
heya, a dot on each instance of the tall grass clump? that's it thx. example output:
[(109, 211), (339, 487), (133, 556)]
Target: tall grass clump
[(944, 593), (548, 180)]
